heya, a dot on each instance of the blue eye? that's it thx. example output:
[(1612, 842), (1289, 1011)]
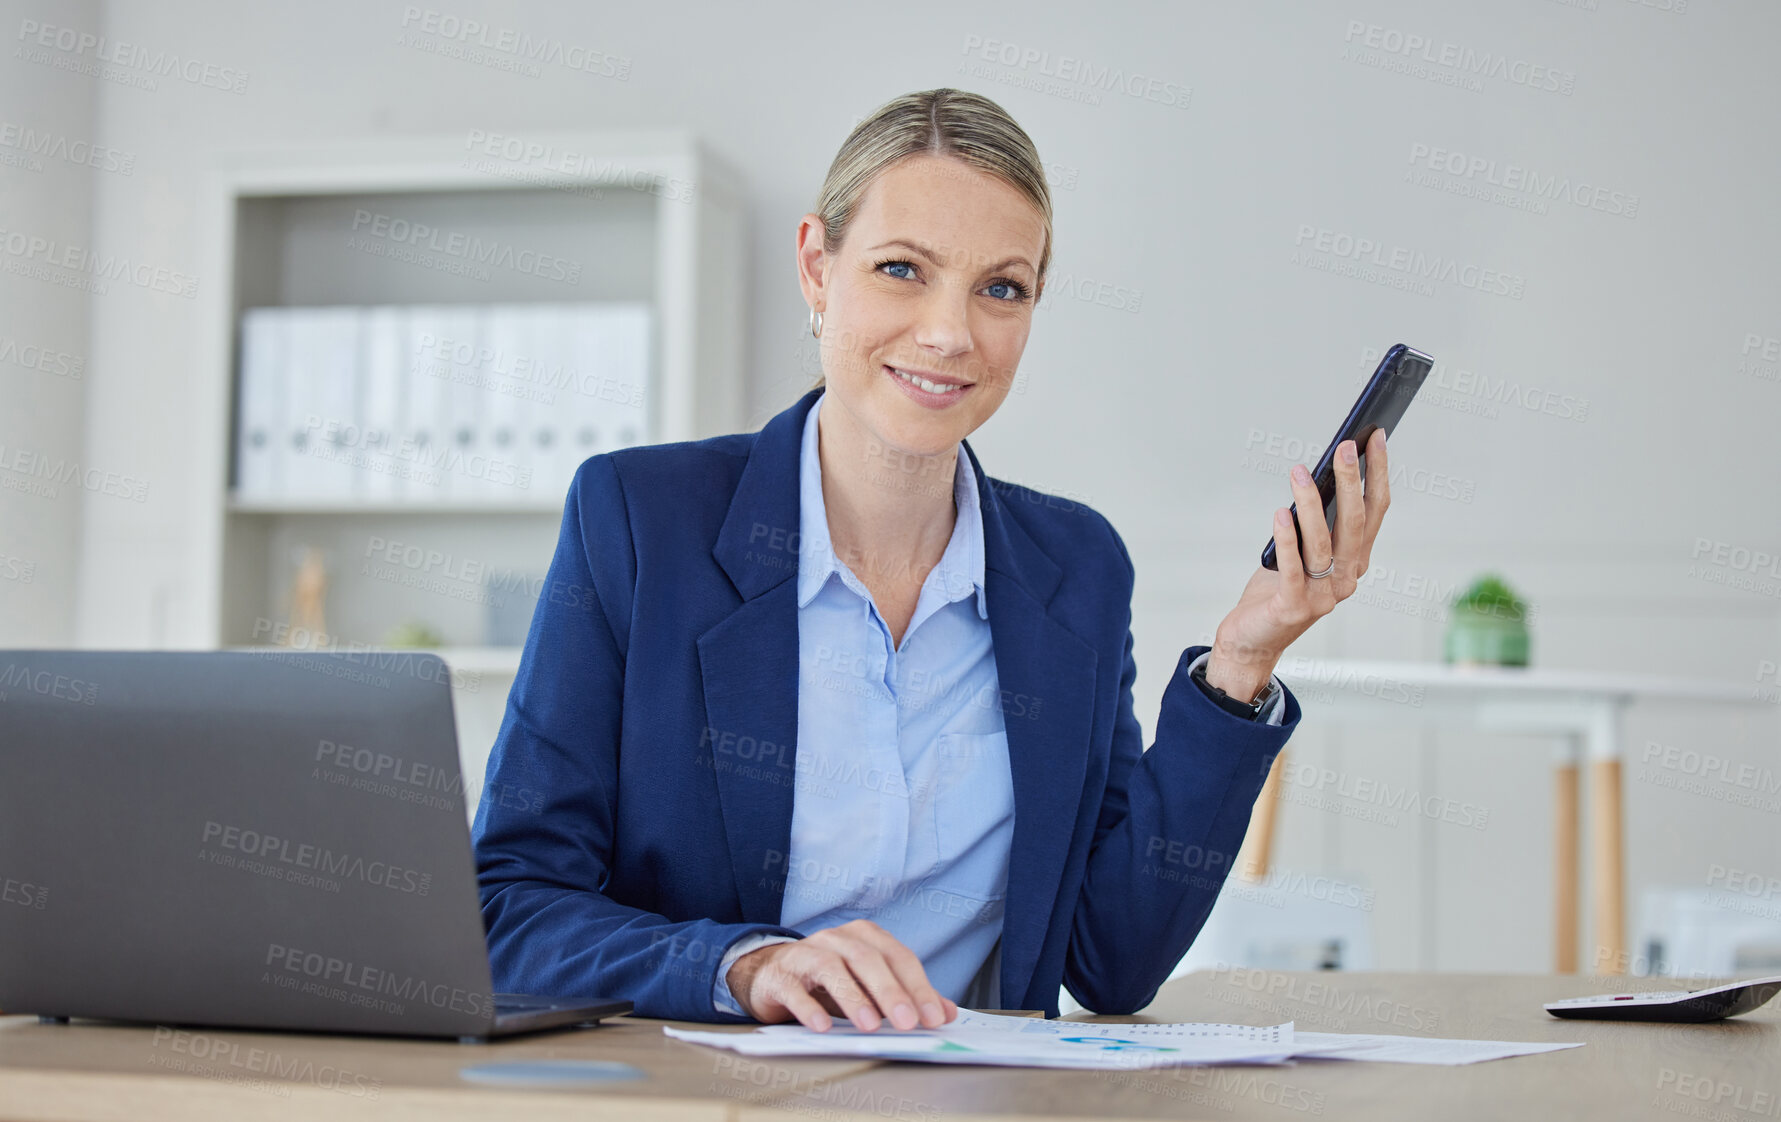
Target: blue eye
[(1016, 293)]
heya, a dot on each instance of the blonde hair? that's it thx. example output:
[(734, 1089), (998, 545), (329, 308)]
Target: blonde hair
[(943, 122)]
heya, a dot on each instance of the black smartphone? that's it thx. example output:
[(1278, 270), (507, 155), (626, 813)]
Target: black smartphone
[(1380, 406)]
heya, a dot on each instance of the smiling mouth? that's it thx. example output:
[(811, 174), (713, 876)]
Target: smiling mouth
[(931, 385)]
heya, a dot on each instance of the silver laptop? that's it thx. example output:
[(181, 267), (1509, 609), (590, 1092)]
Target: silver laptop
[(256, 840)]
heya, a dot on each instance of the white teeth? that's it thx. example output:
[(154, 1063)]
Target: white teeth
[(916, 379)]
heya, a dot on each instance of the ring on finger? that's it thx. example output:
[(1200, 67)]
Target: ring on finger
[(1327, 571)]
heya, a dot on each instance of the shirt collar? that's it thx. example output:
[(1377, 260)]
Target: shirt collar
[(959, 571)]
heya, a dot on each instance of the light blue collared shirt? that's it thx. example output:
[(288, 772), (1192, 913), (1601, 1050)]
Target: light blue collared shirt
[(903, 811)]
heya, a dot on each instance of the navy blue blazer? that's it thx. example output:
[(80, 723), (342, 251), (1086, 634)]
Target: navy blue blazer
[(637, 810)]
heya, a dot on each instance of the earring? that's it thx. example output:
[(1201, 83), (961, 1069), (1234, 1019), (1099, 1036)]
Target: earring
[(815, 323)]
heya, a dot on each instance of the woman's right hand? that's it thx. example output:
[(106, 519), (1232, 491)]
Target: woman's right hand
[(857, 970)]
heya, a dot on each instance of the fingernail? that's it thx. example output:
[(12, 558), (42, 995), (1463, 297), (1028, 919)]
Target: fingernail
[(823, 1024), (866, 1019), (1283, 516), (903, 1016), (932, 1014), (1299, 474), (1348, 456)]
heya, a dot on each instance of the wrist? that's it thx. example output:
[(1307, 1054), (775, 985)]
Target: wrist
[(729, 988), (739, 978), (1240, 671)]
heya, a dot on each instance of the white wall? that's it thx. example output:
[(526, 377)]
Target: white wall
[(1158, 405), (47, 126)]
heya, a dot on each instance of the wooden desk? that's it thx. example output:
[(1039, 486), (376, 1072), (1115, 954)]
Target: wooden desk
[(103, 1071), (1619, 1074), (1727, 1069)]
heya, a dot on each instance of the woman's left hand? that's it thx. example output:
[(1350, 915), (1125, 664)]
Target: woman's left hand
[(1279, 606)]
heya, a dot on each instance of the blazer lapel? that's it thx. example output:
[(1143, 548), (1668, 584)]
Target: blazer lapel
[(749, 665), (1047, 677)]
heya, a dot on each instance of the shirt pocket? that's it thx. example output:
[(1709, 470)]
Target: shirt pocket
[(973, 814)]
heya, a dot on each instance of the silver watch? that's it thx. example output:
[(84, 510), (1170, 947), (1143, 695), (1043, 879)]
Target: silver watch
[(1255, 705)]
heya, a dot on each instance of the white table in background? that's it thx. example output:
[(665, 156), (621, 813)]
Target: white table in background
[(1582, 706)]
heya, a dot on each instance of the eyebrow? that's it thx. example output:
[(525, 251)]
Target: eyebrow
[(932, 256)]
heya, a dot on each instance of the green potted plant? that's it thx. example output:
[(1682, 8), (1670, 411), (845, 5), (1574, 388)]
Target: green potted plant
[(413, 633), (1488, 625)]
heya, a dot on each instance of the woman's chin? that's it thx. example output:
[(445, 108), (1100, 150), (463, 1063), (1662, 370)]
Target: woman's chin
[(898, 434)]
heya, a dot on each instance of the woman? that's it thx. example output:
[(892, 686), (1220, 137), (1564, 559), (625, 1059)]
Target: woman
[(826, 722)]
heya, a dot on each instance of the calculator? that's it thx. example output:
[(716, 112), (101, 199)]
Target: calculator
[(1672, 1005)]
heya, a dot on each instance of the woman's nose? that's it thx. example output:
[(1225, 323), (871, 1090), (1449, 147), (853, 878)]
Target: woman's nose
[(944, 325)]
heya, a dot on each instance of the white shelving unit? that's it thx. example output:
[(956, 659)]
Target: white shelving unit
[(650, 216)]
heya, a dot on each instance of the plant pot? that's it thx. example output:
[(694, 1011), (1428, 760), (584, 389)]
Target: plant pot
[(1488, 637)]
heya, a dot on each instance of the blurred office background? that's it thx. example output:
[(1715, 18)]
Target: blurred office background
[(1569, 204)]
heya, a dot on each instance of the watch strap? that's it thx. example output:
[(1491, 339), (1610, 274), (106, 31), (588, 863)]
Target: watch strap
[(1236, 707)]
